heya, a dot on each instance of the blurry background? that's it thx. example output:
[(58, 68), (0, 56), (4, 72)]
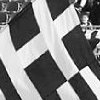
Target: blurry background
[(89, 15), (90, 6), (9, 8)]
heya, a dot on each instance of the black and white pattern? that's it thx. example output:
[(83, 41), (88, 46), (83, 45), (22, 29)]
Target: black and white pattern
[(45, 56)]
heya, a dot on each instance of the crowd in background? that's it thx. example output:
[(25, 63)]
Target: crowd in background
[(92, 7), (89, 15)]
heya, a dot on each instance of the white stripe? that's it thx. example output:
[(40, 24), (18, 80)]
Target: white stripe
[(53, 42), (8, 54), (32, 50), (83, 2), (91, 80), (14, 68), (98, 34), (66, 92), (66, 21), (2, 97)]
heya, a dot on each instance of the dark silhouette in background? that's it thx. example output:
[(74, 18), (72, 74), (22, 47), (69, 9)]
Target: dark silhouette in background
[(95, 13), (92, 6)]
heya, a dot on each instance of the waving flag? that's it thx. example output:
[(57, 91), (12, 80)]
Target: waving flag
[(45, 56)]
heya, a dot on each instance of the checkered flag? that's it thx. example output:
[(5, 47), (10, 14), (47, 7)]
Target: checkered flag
[(45, 56)]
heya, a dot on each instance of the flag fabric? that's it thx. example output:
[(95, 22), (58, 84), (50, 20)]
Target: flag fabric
[(45, 56)]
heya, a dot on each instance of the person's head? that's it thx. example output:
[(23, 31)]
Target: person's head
[(85, 18)]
